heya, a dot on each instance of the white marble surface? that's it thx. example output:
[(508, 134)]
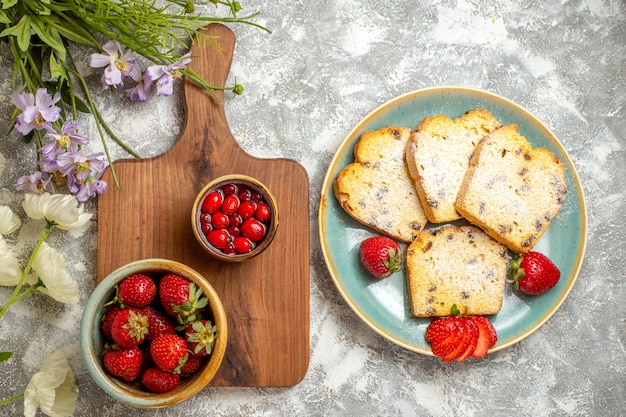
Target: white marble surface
[(324, 67)]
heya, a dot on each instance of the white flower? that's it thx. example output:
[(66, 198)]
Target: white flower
[(53, 389), (62, 209), (9, 267), (9, 221), (49, 266)]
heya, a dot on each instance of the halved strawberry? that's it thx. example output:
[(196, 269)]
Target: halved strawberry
[(487, 336)]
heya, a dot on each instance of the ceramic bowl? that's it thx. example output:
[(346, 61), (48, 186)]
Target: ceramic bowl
[(92, 340), (234, 232)]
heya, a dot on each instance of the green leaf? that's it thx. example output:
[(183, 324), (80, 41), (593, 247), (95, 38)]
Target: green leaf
[(56, 70), (49, 35), (66, 96), (8, 3), (4, 19), (5, 356), (21, 32)]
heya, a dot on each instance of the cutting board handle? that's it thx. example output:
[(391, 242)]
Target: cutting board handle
[(212, 52)]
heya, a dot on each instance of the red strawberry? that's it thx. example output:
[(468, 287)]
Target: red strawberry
[(136, 291), (181, 298), (107, 319), (381, 256), (129, 327), (200, 336), (534, 273), (472, 334), (169, 352), (192, 365), (487, 336), (157, 380), (443, 334), (124, 363), (466, 339), (158, 323)]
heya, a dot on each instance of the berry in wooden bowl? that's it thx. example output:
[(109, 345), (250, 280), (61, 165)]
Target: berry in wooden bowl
[(153, 333), (234, 217)]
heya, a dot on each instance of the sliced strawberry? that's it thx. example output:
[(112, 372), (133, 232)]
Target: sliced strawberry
[(473, 333), (487, 336), (464, 339), (444, 334)]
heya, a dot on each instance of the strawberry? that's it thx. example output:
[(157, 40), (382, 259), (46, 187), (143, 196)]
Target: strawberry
[(466, 338), (107, 319), (181, 298), (472, 335), (200, 336), (381, 256), (136, 291), (124, 362), (534, 273), (487, 336), (192, 365), (129, 327), (157, 380), (443, 334), (158, 323), (169, 352)]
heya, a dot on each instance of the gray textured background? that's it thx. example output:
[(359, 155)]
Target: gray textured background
[(325, 66)]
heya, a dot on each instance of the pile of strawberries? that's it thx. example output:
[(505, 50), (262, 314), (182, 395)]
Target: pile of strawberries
[(157, 331)]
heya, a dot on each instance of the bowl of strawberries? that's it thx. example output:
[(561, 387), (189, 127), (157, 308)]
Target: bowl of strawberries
[(234, 217), (153, 333)]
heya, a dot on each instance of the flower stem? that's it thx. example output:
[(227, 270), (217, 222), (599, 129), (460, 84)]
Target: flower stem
[(13, 398), (16, 292)]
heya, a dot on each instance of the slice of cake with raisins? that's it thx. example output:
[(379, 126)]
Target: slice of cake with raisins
[(455, 265), (512, 190), (438, 156), (377, 190)]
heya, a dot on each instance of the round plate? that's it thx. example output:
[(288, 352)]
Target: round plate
[(383, 304)]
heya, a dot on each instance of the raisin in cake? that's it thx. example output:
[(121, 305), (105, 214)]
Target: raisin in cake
[(376, 188), (438, 156), (511, 190), (455, 265)]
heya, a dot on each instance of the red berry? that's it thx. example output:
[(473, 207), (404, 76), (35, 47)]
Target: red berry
[(253, 229), (534, 273), (108, 317), (229, 248), (230, 204), (256, 197), (220, 220), (244, 194), (218, 238), (129, 327), (212, 202), (192, 365), (263, 213), (230, 189), (181, 298), (487, 336), (381, 256), (235, 220), (158, 380), (247, 209), (243, 244), (136, 290), (158, 323), (124, 363), (200, 336), (169, 352)]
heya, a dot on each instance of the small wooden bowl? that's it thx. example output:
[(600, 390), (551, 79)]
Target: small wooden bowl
[(92, 340), (253, 184)]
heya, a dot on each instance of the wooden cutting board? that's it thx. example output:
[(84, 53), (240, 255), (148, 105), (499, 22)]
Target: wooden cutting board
[(149, 216)]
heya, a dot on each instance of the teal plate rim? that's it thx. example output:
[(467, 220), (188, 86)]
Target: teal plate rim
[(383, 304)]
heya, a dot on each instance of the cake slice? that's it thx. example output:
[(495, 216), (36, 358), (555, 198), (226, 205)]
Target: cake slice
[(377, 190), (511, 190), (455, 265), (438, 156)]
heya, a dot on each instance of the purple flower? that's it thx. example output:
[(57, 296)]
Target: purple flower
[(141, 92), (83, 173), (66, 141), (34, 183), (119, 63), (164, 75), (36, 110)]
